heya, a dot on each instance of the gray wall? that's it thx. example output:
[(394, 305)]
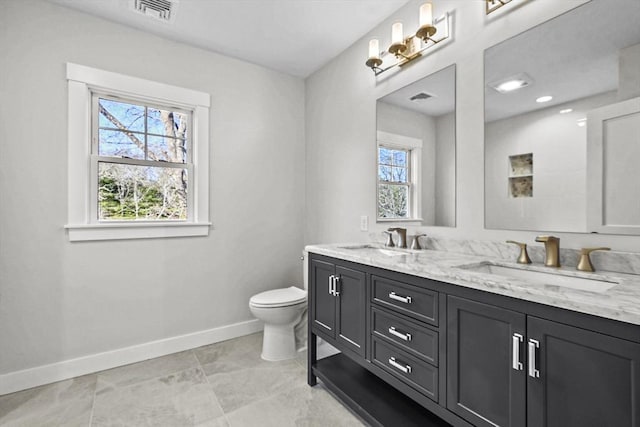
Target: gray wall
[(61, 300), (340, 107)]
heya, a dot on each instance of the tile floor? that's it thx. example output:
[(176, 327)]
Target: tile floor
[(223, 384)]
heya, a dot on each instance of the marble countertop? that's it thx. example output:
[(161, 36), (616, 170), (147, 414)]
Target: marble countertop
[(620, 302)]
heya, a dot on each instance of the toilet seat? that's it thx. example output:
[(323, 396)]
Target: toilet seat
[(283, 297)]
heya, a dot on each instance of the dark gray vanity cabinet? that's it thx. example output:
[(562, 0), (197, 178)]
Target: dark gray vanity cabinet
[(483, 384), (509, 369), (581, 378), (338, 304), (419, 352)]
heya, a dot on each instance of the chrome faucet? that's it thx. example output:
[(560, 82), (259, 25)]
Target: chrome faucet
[(402, 236), (389, 243), (551, 249)]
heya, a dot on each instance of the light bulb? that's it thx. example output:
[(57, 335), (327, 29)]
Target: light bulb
[(426, 14), (396, 33), (374, 49)]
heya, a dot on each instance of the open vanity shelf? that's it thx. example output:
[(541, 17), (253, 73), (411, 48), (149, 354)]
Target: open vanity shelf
[(371, 398)]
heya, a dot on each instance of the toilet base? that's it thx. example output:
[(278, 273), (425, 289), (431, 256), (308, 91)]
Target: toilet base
[(278, 342)]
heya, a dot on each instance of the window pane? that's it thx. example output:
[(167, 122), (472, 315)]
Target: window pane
[(399, 174), (169, 123), (384, 173), (384, 156), (399, 158), (392, 201), (120, 144), (165, 148), (131, 192), (120, 115)]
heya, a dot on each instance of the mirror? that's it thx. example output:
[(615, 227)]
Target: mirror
[(568, 163), (416, 146)]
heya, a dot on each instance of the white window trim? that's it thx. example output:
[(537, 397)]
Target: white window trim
[(82, 82), (393, 140)]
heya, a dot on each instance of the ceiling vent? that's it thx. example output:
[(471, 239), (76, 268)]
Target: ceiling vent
[(162, 10), (421, 97)]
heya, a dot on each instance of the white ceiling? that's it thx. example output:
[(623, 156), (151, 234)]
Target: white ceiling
[(440, 85), (293, 36)]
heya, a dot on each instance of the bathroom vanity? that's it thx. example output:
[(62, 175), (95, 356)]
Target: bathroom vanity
[(439, 338)]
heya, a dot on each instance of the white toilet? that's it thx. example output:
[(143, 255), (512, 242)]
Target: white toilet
[(280, 310)]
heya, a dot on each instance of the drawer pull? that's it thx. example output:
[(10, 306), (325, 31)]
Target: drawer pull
[(394, 296), (516, 363), (404, 368), (403, 336), (533, 346)]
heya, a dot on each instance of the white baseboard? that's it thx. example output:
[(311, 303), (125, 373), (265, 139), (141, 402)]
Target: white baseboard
[(40, 375)]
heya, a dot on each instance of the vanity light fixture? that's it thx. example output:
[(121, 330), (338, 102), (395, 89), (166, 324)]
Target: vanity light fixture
[(544, 99), (493, 5), (406, 49)]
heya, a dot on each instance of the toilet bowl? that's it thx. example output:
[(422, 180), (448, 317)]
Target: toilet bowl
[(280, 310)]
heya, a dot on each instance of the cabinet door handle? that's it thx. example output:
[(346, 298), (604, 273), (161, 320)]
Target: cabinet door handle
[(336, 282), (394, 296), (404, 368), (332, 285), (533, 346), (403, 336), (516, 340)]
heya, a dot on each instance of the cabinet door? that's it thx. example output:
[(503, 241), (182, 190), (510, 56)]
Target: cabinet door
[(351, 309), (323, 308), (586, 379), (483, 385)]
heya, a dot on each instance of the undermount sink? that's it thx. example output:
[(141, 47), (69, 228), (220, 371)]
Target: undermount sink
[(597, 284), (375, 249)]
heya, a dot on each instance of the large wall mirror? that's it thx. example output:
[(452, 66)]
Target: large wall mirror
[(416, 146), (562, 123)]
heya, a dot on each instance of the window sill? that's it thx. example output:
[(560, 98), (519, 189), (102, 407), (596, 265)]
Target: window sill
[(129, 230), (398, 219)]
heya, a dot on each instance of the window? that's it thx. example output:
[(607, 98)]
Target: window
[(138, 157), (394, 187), (141, 157), (398, 172)]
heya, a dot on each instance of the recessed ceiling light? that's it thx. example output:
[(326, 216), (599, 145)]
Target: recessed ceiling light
[(566, 110), (545, 98), (511, 83)]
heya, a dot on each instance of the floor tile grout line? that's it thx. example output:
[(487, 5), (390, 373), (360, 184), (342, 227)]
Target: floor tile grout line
[(206, 378), (93, 401), (145, 381)]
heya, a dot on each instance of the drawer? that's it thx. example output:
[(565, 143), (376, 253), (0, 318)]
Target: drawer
[(409, 336), (418, 374), (406, 299)]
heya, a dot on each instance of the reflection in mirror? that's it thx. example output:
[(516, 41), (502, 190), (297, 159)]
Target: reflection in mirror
[(562, 120), (416, 152)]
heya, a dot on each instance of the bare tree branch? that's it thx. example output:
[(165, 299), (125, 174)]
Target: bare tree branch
[(123, 128)]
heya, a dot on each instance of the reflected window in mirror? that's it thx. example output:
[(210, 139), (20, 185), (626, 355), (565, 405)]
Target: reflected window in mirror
[(419, 119), (398, 172)]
